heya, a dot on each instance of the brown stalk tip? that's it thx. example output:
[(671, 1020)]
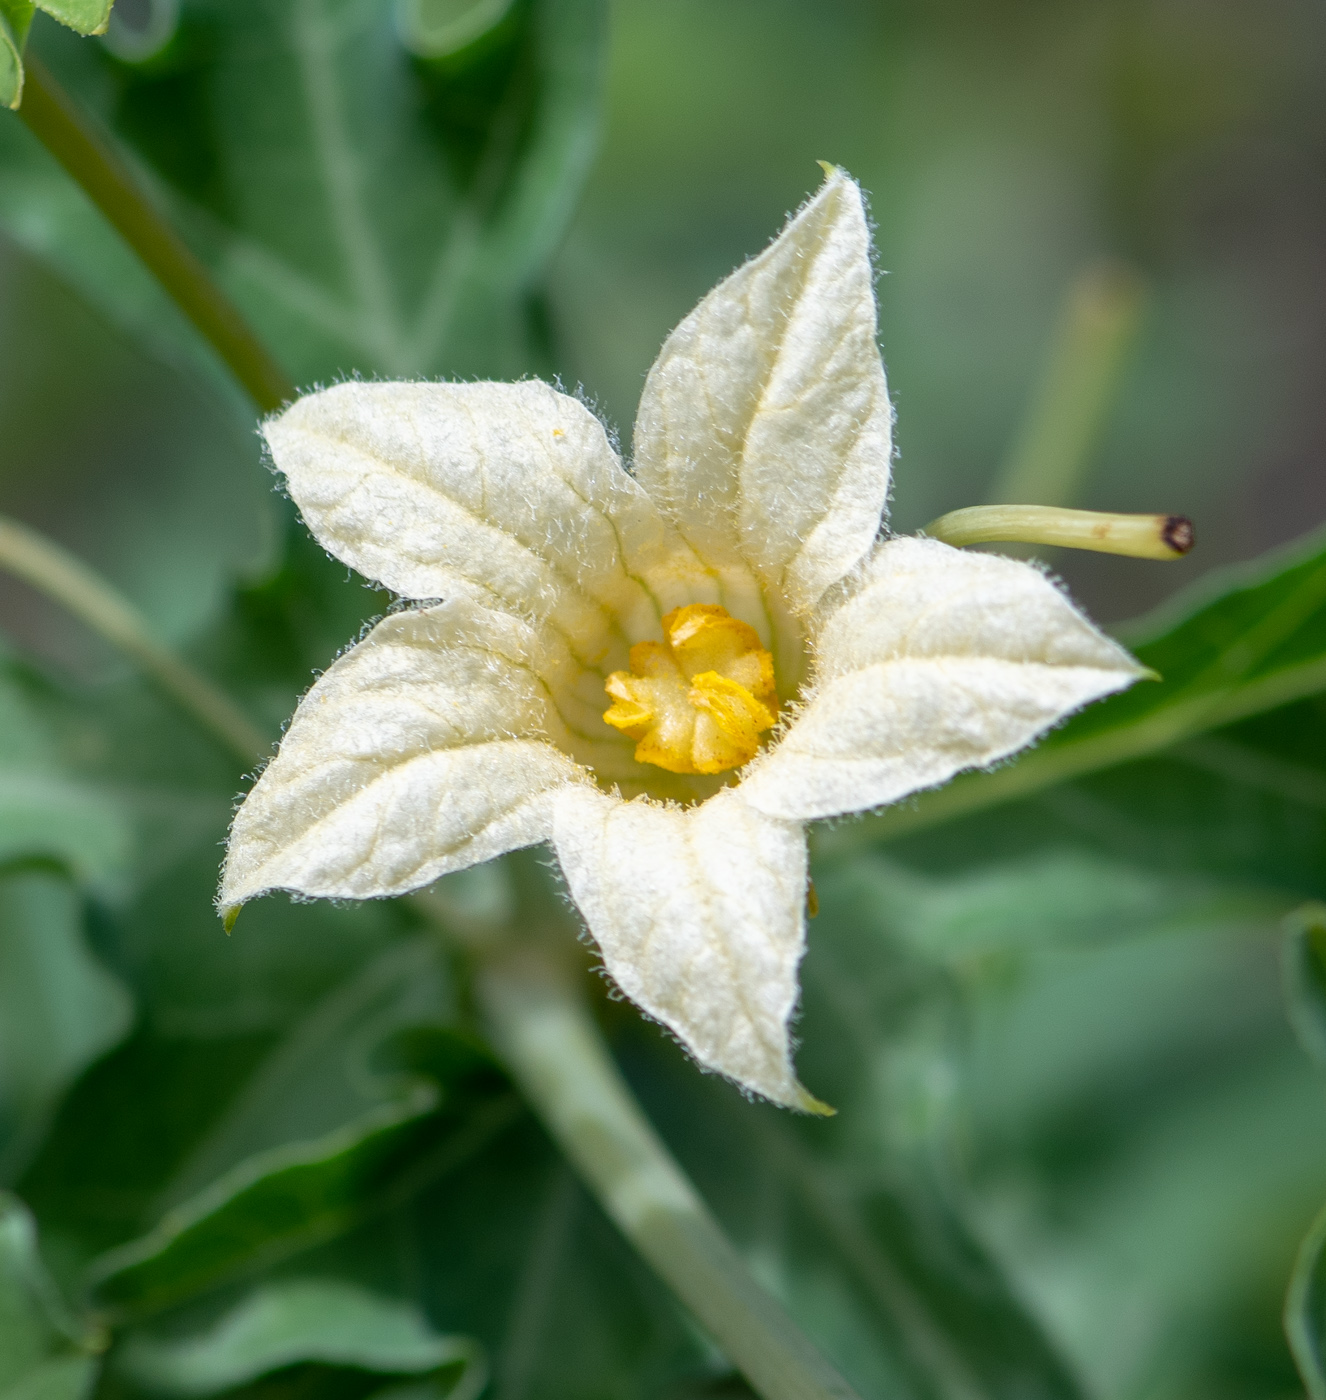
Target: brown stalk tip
[(1178, 533)]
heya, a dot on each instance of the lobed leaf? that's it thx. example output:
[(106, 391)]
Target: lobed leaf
[(285, 144), (295, 1320)]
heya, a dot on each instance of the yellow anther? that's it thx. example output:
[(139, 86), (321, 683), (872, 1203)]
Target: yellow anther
[(698, 701)]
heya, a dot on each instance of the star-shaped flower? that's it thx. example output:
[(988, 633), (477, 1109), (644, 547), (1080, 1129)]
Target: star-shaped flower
[(663, 672)]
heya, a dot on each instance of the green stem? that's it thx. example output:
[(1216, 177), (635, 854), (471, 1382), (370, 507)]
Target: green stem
[(59, 575), (91, 159), (550, 1043)]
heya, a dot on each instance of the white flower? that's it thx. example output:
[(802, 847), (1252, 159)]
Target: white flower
[(730, 603)]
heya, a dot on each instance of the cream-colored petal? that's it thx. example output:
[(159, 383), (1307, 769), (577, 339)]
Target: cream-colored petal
[(424, 749), (765, 428), (510, 493), (938, 660), (699, 915)]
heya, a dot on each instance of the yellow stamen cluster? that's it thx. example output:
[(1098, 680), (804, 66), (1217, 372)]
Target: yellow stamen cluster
[(699, 700)]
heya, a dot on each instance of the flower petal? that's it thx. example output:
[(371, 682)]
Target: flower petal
[(421, 751), (699, 915), (938, 660), (510, 493), (765, 429)]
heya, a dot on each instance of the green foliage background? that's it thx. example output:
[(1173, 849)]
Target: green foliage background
[(1078, 1142)]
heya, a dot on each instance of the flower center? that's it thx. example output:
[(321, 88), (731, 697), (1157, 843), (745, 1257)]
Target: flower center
[(699, 700)]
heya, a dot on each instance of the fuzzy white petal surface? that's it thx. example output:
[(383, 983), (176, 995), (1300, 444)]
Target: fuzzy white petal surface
[(938, 660), (423, 750), (765, 428), (699, 915), (510, 493)]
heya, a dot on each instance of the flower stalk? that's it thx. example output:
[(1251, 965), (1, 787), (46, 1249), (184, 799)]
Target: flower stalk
[(544, 1032), (1137, 536), (89, 157), (45, 566)]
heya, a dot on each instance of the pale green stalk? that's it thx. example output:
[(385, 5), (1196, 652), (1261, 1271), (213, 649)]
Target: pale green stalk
[(55, 572), (1137, 536), (544, 1032), (71, 136)]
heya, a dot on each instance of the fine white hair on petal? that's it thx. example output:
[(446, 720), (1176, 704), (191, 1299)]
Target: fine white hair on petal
[(700, 917), (508, 493), (937, 660), (423, 750), (765, 429)]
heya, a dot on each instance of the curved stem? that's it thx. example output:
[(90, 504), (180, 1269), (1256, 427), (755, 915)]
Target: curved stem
[(55, 572), (1138, 536), (551, 1045), (88, 155)]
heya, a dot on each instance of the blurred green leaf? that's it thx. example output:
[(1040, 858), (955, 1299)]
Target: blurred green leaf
[(299, 1320), (140, 469), (272, 1205), (1139, 1142), (294, 1047), (59, 1008), (42, 1354), (346, 1113), (440, 28), (331, 1066), (48, 811)]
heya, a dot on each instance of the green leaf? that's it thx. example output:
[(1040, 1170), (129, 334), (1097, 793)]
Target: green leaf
[(369, 213), (83, 16), (286, 1053), (269, 1207), (43, 1354), (271, 1178), (14, 18), (285, 1201), (48, 811), (297, 1320), (59, 1008)]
